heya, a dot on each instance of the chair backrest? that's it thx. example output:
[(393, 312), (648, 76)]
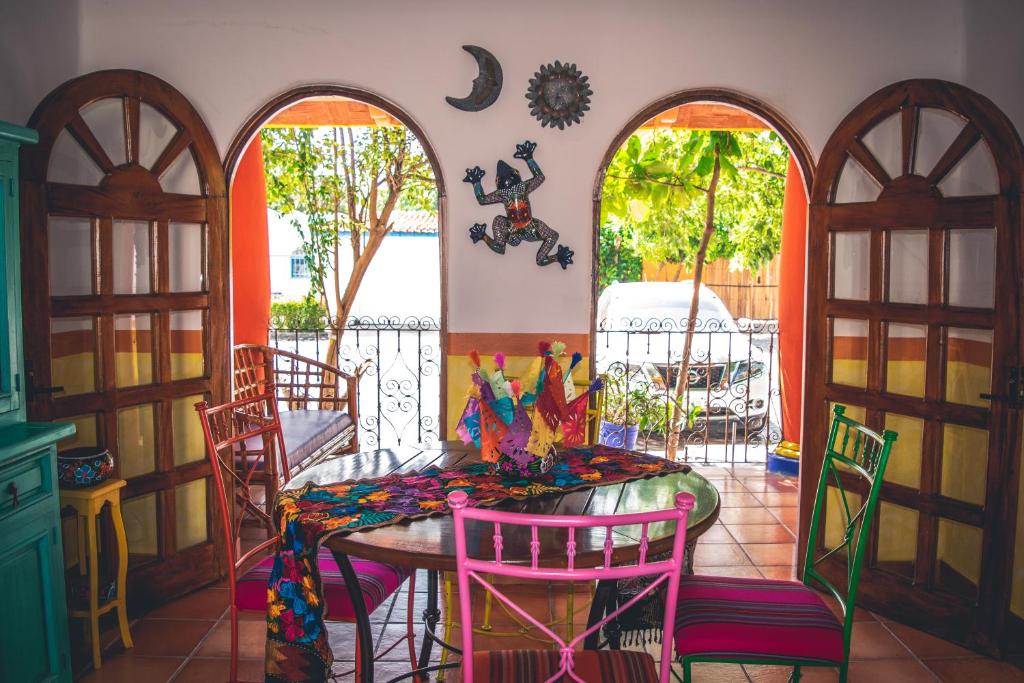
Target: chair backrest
[(243, 439), (854, 464), (668, 570)]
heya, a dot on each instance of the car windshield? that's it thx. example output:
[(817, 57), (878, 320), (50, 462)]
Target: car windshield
[(635, 304)]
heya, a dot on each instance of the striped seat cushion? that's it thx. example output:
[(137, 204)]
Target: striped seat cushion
[(377, 580), (593, 666), (755, 618)]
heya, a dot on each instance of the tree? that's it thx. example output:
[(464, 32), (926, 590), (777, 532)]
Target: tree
[(331, 181), (661, 218), (662, 187)]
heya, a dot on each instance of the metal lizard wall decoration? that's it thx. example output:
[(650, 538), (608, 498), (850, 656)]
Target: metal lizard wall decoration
[(518, 224)]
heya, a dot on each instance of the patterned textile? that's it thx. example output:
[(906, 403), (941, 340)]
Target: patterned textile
[(297, 647), (755, 618), (593, 666), (377, 581)]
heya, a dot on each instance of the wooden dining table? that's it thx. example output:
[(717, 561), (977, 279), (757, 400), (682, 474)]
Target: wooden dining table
[(429, 542)]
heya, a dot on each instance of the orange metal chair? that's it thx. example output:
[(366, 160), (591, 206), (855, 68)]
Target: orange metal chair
[(243, 440)]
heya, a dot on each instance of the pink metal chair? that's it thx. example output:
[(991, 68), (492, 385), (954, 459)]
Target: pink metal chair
[(352, 587), (565, 663)]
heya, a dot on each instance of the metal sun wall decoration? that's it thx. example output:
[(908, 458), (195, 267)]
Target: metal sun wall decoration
[(559, 95), (518, 224), (486, 86)]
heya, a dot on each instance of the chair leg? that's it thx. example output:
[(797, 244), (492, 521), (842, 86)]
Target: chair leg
[(233, 664), (796, 675), (843, 671), (449, 620), (687, 671)]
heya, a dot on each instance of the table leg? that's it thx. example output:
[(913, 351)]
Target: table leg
[(431, 615), (604, 592)]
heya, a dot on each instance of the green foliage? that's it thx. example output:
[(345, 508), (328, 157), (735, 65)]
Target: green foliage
[(308, 314), (655, 195), (335, 182), (644, 405), (619, 257)]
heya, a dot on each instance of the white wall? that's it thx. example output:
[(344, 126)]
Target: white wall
[(813, 60)]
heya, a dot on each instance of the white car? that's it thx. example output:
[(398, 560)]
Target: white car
[(641, 331)]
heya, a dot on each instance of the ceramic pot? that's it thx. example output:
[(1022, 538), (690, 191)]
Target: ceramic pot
[(86, 466), (618, 436)]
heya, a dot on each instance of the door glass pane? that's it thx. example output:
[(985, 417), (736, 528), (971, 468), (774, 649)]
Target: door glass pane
[(905, 460), (106, 121), (140, 524), (883, 141), (133, 349), (70, 256), (188, 435), (851, 264), (897, 538), (908, 266), (850, 352), (190, 513), (70, 164), (155, 131), (964, 463), (905, 362), (857, 413), (186, 257), (136, 441), (936, 130), (182, 176), (73, 355), (968, 365), (958, 565), (131, 257), (972, 268), (975, 174), (855, 184), (187, 358), (85, 432)]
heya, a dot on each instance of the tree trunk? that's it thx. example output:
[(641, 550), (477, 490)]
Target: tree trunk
[(682, 381)]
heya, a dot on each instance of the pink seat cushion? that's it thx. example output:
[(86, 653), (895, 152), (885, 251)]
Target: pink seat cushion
[(755, 618), (378, 581)]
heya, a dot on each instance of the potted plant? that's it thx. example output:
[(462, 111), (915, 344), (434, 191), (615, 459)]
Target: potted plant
[(627, 411)]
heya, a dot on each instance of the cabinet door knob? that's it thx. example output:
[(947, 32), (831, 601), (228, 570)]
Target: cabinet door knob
[(12, 489)]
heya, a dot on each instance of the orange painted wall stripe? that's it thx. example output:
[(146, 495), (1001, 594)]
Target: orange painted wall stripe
[(513, 343), (74, 342)]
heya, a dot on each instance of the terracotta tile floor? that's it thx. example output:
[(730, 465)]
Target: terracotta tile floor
[(188, 639)]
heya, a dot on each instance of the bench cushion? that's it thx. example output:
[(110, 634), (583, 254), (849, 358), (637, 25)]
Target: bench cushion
[(593, 666), (755, 619), (307, 431)]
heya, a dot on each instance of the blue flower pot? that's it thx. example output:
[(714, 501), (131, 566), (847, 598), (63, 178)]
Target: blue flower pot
[(618, 436)]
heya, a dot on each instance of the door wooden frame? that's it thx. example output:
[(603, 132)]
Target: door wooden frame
[(903, 199), (176, 571), (251, 128)]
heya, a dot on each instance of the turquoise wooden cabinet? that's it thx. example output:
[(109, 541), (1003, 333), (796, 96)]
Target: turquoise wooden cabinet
[(34, 621)]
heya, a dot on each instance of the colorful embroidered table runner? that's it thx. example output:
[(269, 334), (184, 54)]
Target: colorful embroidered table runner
[(297, 647)]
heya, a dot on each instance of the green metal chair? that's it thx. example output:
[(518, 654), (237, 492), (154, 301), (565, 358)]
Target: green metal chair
[(761, 621)]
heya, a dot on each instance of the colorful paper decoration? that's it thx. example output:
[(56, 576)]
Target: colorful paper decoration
[(516, 423)]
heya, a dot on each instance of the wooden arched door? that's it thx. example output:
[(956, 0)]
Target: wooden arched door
[(914, 322), (124, 262)]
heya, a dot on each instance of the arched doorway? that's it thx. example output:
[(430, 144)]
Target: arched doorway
[(401, 353), (725, 422), (914, 313)]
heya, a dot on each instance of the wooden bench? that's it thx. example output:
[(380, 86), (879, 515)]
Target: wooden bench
[(317, 401)]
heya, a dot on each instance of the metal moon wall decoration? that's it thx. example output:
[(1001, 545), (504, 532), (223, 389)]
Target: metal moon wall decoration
[(486, 86), (559, 95)]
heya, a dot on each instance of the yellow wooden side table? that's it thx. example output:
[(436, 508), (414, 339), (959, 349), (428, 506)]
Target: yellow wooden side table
[(88, 504)]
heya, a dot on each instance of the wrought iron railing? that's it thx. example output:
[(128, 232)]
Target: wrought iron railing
[(731, 405), (398, 360), (731, 411)]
